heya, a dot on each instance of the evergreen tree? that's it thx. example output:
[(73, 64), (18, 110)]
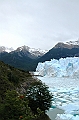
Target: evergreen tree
[(39, 96)]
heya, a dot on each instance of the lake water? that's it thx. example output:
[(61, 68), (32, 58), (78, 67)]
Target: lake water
[(52, 113), (65, 97)]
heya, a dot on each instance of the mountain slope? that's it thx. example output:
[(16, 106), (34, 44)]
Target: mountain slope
[(5, 49), (61, 50), (68, 45), (16, 59), (31, 52), (11, 78), (27, 58), (22, 58)]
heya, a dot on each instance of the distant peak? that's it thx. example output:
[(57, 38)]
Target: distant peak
[(73, 42), (69, 45), (5, 49), (23, 48), (33, 51), (30, 49), (61, 45)]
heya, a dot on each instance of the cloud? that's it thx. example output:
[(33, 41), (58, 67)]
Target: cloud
[(39, 24)]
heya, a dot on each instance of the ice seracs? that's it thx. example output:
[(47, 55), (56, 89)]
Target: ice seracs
[(64, 67)]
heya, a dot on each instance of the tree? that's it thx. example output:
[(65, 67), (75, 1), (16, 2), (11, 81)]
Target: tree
[(15, 107), (39, 96)]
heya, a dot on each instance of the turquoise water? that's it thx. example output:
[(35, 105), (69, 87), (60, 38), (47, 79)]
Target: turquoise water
[(52, 113)]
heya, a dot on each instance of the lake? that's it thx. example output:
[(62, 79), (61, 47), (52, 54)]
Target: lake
[(65, 100), (52, 113)]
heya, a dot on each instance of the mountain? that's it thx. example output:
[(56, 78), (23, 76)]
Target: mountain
[(73, 42), (68, 45), (5, 49), (30, 52), (61, 50), (22, 57), (27, 58), (17, 59)]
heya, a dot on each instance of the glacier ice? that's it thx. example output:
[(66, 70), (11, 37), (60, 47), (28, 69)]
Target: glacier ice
[(63, 67), (62, 77)]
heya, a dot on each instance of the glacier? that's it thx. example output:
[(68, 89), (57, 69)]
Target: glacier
[(63, 67), (62, 77)]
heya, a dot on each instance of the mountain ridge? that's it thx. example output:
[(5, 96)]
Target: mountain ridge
[(5, 49), (34, 53), (61, 50), (68, 45), (22, 58)]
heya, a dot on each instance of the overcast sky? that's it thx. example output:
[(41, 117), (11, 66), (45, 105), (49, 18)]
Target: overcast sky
[(38, 23)]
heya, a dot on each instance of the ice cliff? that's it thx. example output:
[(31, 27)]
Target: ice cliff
[(64, 67)]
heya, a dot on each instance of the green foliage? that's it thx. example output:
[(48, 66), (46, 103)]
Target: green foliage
[(4, 86), (39, 97), (11, 78), (15, 107)]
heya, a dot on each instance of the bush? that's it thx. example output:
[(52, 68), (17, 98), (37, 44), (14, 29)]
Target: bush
[(15, 107), (39, 97)]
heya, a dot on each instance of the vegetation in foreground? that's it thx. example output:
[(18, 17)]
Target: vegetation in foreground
[(21, 96)]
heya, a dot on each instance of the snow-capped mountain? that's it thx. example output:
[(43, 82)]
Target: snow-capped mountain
[(30, 52), (23, 57), (34, 52), (27, 58), (69, 45), (73, 42), (5, 49), (61, 50), (37, 52)]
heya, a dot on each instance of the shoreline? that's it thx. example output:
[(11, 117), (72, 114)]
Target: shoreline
[(52, 113)]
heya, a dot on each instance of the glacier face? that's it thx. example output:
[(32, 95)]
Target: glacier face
[(62, 77), (64, 67)]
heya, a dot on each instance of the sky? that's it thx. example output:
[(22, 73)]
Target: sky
[(38, 23)]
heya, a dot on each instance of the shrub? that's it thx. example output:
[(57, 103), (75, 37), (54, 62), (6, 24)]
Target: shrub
[(15, 107), (39, 96)]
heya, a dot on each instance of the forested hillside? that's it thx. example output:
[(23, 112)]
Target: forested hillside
[(12, 78), (15, 101)]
